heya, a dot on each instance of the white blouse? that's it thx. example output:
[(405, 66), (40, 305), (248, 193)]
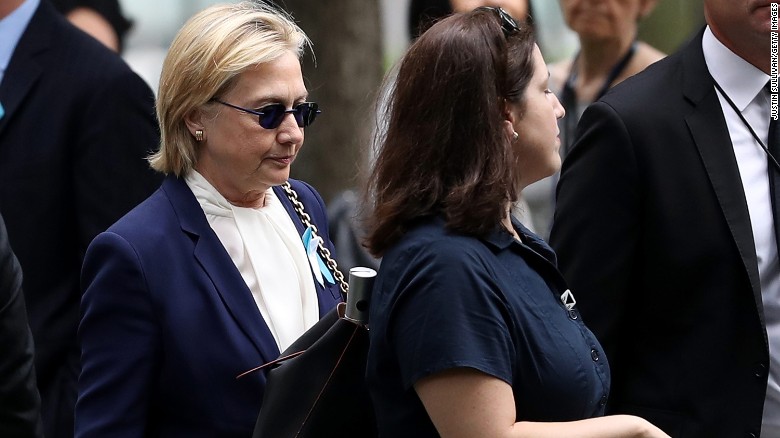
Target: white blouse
[(268, 252)]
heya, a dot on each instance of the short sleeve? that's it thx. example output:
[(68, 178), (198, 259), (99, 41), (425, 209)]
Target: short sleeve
[(449, 313)]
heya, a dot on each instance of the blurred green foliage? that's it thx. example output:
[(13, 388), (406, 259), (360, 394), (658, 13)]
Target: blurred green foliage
[(672, 23)]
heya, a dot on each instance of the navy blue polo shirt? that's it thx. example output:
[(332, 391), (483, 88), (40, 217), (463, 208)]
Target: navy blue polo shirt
[(443, 301)]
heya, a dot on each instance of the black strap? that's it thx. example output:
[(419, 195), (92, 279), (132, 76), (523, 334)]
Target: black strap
[(569, 96), (773, 167), (771, 157)]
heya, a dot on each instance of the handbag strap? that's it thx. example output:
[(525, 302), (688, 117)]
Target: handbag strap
[(324, 253)]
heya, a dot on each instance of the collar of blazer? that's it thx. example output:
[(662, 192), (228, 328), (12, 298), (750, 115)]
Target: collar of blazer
[(217, 264), (26, 66)]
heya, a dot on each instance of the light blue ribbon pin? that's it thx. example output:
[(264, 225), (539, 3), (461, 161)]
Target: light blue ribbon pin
[(317, 265), (2, 111)]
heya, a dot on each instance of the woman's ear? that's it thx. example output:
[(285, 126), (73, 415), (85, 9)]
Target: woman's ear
[(510, 118), (509, 129), (193, 120)]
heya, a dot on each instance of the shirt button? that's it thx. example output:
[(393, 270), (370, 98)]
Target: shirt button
[(603, 401), (594, 354), (751, 435), (572, 315)]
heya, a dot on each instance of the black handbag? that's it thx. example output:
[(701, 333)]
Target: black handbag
[(317, 388)]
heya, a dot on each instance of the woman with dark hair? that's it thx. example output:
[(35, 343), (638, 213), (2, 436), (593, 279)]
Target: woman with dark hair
[(473, 330)]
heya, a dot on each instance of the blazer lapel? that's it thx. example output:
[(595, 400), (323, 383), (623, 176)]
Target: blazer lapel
[(710, 134), (211, 255), (25, 66)]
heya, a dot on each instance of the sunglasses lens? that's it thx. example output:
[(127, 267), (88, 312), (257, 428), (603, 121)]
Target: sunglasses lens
[(305, 113), (272, 116)]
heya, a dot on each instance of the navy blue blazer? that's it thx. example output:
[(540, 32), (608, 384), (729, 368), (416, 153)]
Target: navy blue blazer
[(168, 323), (78, 125)]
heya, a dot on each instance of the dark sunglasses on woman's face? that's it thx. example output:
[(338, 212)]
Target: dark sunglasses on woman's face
[(271, 116)]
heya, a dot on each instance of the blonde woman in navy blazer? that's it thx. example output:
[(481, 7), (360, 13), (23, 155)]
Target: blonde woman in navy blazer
[(187, 291)]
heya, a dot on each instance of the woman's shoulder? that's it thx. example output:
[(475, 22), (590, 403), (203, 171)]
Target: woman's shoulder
[(313, 205), (304, 189), (429, 243), (644, 57), (307, 195), (149, 221)]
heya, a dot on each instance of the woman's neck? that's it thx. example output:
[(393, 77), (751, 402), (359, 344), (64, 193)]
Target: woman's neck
[(239, 198), (595, 63)]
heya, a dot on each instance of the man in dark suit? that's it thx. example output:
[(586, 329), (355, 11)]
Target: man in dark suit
[(20, 404), (664, 231), (76, 126)]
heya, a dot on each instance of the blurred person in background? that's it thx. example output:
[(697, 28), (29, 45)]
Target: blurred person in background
[(473, 331), (103, 19), (214, 274), (609, 53), (75, 126)]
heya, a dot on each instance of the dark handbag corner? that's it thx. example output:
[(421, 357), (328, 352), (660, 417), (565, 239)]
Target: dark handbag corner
[(320, 392)]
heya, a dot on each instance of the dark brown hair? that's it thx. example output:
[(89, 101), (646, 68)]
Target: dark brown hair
[(445, 150)]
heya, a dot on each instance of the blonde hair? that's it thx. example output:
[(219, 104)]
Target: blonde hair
[(208, 54)]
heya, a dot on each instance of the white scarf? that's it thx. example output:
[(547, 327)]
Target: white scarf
[(267, 250)]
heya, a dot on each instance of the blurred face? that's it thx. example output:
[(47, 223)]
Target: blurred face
[(741, 25), (240, 158), (8, 6), (518, 9), (537, 125), (605, 19)]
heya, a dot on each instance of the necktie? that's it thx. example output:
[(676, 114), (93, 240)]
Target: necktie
[(773, 145)]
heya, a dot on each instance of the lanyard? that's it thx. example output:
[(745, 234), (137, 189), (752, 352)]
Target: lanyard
[(569, 96), (747, 125)]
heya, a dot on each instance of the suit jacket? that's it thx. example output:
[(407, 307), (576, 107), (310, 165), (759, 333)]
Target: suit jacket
[(20, 404), (77, 126), (653, 234), (168, 323)]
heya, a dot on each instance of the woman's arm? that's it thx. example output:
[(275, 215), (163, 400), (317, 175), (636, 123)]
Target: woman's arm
[(464, 402), (120, 343)]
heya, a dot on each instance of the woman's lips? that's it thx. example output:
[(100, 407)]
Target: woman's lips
[(285, 160)]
